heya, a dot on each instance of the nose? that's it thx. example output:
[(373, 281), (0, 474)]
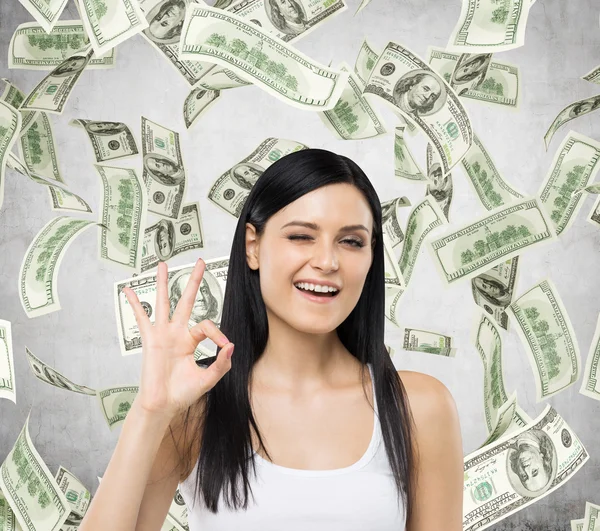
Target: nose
[(324, 256)]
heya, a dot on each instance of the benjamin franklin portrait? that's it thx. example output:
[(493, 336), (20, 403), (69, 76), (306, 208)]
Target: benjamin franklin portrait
[(70, 66), (164, 170), (164, 239), (165, 21), (440, 184), (246, 174), (469, 67), (55, 378), (419, 93), (584, 107), (105, 128), (287, 16), (532, 463), (209, 299), (492, 290)]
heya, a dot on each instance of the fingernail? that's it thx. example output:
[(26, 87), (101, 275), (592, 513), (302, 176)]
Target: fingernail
[(230, 352)]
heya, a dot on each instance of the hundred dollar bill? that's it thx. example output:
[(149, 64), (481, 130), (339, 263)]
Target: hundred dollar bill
[(590, 189), (116, 402), (178, 512), (167, 238), (519, 469), (49, 375), (230, 191), (110, 140), (430, 342), (110, 22), (13, 96), (405, 164), (441, 186), (77, 496), (365, 61), (37, 149), (390, 219), (503, 421), (164, 173), (361, 6), (51, 93), (123, 216), (594, 215), (500, 86), (570, 112), (423, 218), (591, 519), (8, 520), (490, 26), (32, 48), (505, 232), (590, 385), (493, 289), (577, 525), (38, 274), (574, 166), (392, 272), (10, 125), (469, 71), (30, 489), (165, 20), (8, 384), (199, 100), (393, 294), (46, 12), (208, 304), (410, 86), (228, 40), (221, 78), (353, 118), (547, 334), (491, 189), (593, 76)]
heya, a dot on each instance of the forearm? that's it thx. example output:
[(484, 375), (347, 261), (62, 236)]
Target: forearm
[(117, 501)]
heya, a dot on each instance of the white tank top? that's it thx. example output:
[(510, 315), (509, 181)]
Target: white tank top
[(358, 497)]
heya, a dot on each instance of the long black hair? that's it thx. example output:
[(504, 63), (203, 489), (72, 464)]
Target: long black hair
[(226, 444)]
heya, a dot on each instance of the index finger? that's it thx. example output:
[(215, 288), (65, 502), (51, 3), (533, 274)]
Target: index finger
[(184, 307)]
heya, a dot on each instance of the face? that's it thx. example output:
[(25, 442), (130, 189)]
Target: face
[(424, 92), (287, 9), (468, 69), (285, 255), (200, 308), (530, 468), (163, 242), (160, 166), (73, 65), (248, 173), (99, 127), (487, 287), (161, 25), (436, 178)]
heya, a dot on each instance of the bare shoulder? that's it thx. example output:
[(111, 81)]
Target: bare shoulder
[(186, 433)]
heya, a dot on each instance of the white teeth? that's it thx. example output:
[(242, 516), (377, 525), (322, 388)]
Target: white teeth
[(315, 287)]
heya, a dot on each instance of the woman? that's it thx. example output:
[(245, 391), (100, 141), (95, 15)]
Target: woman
[(297, 379)]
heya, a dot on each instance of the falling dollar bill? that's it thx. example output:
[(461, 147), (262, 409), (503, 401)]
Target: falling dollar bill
[(590, 189), (519, 469), (570, 112), (14, 97), (178, 512), (491, 189), (505, 232), (37, 149), (505, 421), (410, 86), (365, 61), (393, 295), (199, 100), (500, 86), (110, 140), (392, 273), (230, 191), (593, 75), (38, 274), (594, 215), (32, 48), (167, 238), (110, 22), (353, 118), (441, 186), (115, 403), (208, 303), (574, 166), (405, 165), (429, 342), (49, 375), (590, 385), (390, 219), (30, 488), (577, 525), (469, 71), (547, 334), (591, 519), (490, 26), (210, 34), (424, 217), (493, 289), (10, 125), (8, 384), (77, 496), (7, 516), (164, 173), (51, 93), (46, 12)]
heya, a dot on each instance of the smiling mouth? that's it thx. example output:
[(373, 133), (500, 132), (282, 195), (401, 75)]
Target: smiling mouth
[(324, 295)]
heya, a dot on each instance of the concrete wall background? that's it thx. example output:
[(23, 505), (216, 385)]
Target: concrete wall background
[(562, 44)]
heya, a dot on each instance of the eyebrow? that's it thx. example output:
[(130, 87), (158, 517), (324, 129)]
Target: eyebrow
[(314, 226)]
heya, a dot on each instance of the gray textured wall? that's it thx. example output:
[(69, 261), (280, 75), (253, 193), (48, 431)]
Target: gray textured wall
[(562, 43)]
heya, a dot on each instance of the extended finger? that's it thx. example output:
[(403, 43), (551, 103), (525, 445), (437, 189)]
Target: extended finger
[(210, 376), (207, 328), (141, 317), (162, 299), (184, 307)]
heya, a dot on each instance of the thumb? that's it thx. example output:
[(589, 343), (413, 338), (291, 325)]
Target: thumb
[(210, 376)]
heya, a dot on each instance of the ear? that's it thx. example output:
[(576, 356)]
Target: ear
[(251, 246)]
